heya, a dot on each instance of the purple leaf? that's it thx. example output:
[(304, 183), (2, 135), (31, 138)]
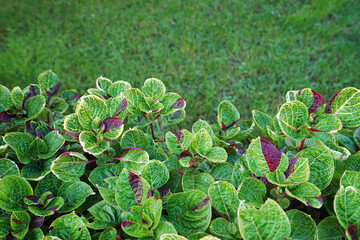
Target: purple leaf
[(179, 135), (121, 107), (318, 101), (175, 115), (328, 107), (271, 154), (50, 196), (33, 198), (352, 230), (178, 104), (110, 123), (5, 117), (291, 167), (53, 90), (127, 224), (31, 93), (136, 186), (75, 96), (163, 191), (38, 222), (52, 209), (201, 204), (74, 135), (263, 179)]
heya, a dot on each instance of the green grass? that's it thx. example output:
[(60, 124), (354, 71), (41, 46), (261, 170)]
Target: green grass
[(248, 52)]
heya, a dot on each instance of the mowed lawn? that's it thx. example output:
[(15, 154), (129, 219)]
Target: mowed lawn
[(248, 52)]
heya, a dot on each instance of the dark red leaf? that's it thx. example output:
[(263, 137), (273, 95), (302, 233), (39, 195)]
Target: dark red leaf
[(110, 123), (328, 107), (201, 204), (352, 230), (5, 117), (50, 196), (291, 167), (271, 154), (136, 186), (318, 101), (163, 191), (179, 103), (33, 198), (30, 93)]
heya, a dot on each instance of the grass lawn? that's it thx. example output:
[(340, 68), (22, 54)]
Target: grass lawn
[(249, 52)]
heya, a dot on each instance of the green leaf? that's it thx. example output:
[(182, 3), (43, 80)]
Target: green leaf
[(37, 170), (74, 194), (134, 138), (227, 114), (102, 172), (179, 142), (222, 171), (198, 125), (36, 147), (327, 123), (70, 96), (50, 183), (5, 97), (153, 208), (330, 228), (17, 97), (240, 171), (263, 157), (133, 159), (302, 225), (103, 216), (156, 173), (224, 228), (20, 143), (20, 224), (321, 166), (136, 102), (164, 228), (34, 106), (103, 83), (307, 193), (217, 155), (261, 119), (259, 224), (137, 223), (347, 206), (298, 172), (223, 197), (7, 168), (65, 231), (172, 237), (130, 190), (92, 144), (88, 108), (35, 234), (54, 141), (72, 124), (253, 191), (51, 205), (5, 227), (291, 117), (350, 178), (154, 88), (117, 88), (108, 234), (189, 212), (48, 81), (356, 136), (107, 192), (200, 181), (69, 166), (345, 105), (202, 142), (172, 103), (13, 189)]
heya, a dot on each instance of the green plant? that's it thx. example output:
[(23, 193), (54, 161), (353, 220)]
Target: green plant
[(104, 167)]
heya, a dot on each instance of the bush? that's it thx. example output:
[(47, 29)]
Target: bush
[(109, 170)]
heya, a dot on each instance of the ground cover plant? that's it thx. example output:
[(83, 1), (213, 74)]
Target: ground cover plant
[(205, 50), (111, 164)]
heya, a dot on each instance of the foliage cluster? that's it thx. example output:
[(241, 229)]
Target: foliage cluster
[(103, 166)]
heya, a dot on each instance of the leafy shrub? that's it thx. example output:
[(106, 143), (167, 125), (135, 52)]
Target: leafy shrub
[(103, 166)]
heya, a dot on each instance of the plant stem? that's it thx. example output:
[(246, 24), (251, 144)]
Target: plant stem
[(152, 131)]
